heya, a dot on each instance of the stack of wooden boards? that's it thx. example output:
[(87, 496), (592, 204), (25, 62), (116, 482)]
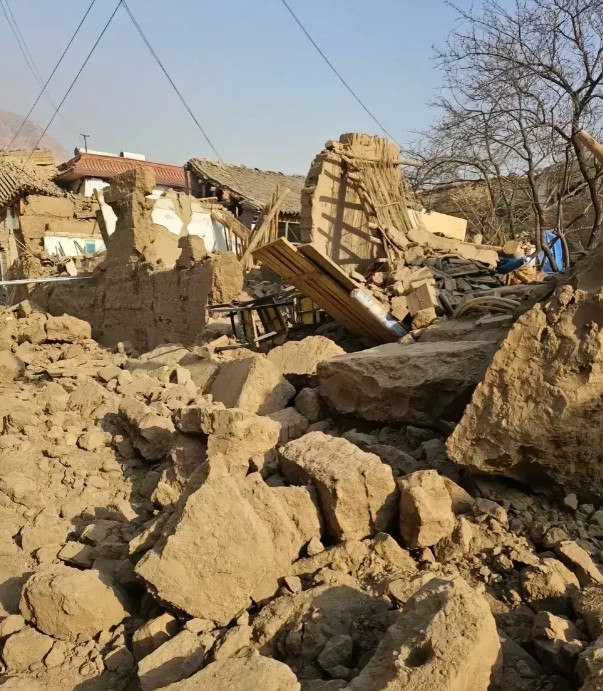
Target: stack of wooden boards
[(316, 276)]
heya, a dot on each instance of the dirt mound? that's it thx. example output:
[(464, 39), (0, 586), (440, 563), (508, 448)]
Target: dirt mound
[(155, 538)]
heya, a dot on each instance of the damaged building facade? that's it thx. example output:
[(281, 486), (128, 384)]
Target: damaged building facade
[(36, 215)]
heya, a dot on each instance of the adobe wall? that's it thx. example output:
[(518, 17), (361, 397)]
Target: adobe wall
[(132, 302), (133, 295), (41, 216)]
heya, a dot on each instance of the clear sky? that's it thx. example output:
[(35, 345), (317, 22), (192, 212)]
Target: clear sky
[(256, 84)]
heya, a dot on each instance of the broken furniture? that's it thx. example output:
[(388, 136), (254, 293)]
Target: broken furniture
[(274, 313)]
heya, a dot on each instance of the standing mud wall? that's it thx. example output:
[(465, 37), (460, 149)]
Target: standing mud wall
[(133, 295), (133, 303), (43, 218)]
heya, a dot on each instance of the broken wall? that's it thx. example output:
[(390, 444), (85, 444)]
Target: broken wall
[(174, 214), (354, 196), (134, 295), (131, 302), (52, 224)]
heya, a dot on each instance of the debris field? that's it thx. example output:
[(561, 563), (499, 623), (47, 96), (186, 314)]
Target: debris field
[(321, 513)]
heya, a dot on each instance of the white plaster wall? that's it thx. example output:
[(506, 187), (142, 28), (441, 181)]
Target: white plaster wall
[(52, 242), (91, 184), (164, 215), (212, 232)]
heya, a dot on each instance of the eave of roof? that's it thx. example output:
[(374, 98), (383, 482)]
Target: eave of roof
[(16, 181), (107, 167)]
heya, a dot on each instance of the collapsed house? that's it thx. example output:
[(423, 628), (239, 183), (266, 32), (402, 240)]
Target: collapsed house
[(246, 192), (311, 517), (36, 215), (142, 293)]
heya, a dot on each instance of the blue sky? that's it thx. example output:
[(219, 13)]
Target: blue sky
[(256, 84)]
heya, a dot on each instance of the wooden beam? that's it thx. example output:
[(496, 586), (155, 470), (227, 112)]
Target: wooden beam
[(260, 236), (590, 144)]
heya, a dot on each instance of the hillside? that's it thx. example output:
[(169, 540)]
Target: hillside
[(9, 124)]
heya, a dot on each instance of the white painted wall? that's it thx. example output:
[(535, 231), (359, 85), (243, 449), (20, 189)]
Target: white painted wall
[(213, 233), (70, 249)]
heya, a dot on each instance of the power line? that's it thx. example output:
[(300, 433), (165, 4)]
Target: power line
[(171, 81), (24, 48), (98, 40), (14, 27), (338, 74), (56, 67)]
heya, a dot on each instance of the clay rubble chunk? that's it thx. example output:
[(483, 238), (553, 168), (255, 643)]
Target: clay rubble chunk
[(202, 371), (241, 674), (68, 603), (549, 586), (545, 383), (293, 424), (11, 367), (215, 551), (426, 514), (308, 403), (579, 561), (253, 384), (236, 436), (150, 432), (357, 492), (178, 658), (284, 535), (445, 638), (25, 648), (67, 329), (417, 383), (296, 628), (588, 603), (299, 360), (153, 634)]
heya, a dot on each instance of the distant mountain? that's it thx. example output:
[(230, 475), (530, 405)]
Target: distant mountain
[(10, 123)]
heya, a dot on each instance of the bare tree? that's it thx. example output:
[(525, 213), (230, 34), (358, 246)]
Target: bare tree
[(520, 83)]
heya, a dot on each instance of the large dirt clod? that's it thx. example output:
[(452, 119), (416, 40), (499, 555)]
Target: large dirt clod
[(357, 492), (418, 383), (445, 638), (68, 603), (253, 384), (215, 551)]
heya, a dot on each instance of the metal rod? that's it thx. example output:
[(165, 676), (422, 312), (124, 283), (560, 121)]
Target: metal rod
[(50, 279)]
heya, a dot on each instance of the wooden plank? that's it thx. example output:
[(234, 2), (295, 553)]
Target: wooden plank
[(321, 280), (260, 236), (328, 266), (286, 254)]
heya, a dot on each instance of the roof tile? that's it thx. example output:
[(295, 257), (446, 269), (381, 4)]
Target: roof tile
[(254, 185), (16, 181), (106, 167)]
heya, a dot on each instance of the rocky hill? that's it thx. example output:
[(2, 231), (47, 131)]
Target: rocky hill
[(9, 124)]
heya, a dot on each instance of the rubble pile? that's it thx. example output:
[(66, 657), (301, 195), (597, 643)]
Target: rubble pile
[(424, 283), (181, 519)]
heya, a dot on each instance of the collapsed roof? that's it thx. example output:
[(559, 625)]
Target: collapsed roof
[(253, 185), (16, 181)]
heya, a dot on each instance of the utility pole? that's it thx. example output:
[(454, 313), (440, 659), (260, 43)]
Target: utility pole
[(85, 141)]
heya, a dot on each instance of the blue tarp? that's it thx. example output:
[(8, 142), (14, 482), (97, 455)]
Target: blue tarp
[(554, 243)]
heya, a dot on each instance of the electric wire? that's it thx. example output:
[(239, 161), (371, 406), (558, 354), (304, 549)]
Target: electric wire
[(171, 81), (56, 67), (24, 48), (98, 40), (338, 74)]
